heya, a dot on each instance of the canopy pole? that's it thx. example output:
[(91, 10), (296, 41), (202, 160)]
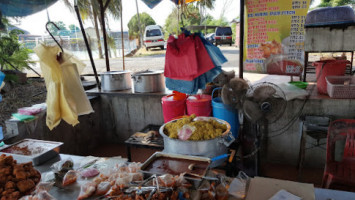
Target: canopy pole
[(102, 12), (241, 39), (122, 41), (87, 45)]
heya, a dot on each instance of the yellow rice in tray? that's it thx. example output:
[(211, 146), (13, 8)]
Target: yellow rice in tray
[(205, 130)]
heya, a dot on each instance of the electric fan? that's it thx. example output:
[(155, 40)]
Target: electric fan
[(262, 104)]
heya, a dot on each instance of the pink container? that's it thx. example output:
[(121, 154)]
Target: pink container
[(172, 108), (328, 68), (200, 105)]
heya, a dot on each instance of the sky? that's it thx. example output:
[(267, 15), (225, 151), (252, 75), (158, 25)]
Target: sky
[(35, 23)]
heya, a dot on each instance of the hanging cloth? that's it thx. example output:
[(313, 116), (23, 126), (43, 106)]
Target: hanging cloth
[(66, 98)]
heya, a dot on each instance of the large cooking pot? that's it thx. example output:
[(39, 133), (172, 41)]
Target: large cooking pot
[(205, 148), (148, 81), (116, 80)]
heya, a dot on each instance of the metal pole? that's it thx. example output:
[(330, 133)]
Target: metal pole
[(241, 39), (87, 45), (139, 26), (122, 41), (102, 12)]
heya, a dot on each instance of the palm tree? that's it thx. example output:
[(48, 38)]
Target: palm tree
[(89, 9), (203, 4)]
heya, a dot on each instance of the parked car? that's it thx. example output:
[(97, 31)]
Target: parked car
[(210, 37), (223, 35), (153, 37)]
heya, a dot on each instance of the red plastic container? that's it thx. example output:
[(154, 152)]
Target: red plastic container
[(200, 105), (173, 106), (328, 68)]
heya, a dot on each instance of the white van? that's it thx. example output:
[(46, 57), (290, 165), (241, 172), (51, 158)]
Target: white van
[(153, 37)]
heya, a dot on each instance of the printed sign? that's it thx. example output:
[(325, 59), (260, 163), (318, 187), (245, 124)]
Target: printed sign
[(274, 36)]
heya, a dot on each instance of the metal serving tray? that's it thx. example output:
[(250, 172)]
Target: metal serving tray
[(49, 149), (195, 181)]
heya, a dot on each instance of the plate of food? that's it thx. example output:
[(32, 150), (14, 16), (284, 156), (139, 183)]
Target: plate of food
[(16, 179)]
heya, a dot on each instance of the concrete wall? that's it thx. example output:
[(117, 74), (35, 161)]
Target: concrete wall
[(285, 147), (125, 114)]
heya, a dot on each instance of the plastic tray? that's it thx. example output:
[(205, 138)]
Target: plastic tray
[(341, 87), (49, 149)]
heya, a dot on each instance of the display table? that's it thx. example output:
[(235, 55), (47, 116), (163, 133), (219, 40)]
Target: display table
[(72, 192)]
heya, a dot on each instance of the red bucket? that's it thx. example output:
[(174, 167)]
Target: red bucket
[(173, 107), (328, 68), (200, 105)]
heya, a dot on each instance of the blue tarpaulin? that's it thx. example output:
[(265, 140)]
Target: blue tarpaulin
[(151, 3), (21, 8)]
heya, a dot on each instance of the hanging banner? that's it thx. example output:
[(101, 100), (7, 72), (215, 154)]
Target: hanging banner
[(274, 36)]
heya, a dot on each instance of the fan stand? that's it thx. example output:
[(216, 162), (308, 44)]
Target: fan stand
[(262, 137)]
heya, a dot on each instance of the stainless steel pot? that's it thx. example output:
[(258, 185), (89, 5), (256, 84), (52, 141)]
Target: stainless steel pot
[(148, 81), (206, 148), (116, 80)]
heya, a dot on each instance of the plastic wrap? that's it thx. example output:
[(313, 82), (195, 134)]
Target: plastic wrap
[(86, 190), (102, 188), (69, 178), (90, 172)]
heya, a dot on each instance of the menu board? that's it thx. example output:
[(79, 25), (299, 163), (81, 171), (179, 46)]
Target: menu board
[(274, 36)]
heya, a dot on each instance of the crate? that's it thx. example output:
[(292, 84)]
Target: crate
[(341, 87)]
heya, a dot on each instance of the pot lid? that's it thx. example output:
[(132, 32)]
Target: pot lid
[(147, 73), (116, 72)]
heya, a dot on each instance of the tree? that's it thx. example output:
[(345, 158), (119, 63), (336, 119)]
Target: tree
[(89, 9), (203, 4), (54, 30), (332, 3), (145, 20), (190, 16), (12, 53), (73, 28)]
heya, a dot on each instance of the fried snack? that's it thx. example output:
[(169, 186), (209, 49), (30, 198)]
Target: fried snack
[(16, 180), (271, 48), (69, 178), (205, 130)]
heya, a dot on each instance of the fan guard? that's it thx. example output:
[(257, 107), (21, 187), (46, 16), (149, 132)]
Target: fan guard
[(264, 101)]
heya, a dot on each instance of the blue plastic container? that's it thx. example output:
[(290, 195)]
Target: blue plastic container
[(222, 111)]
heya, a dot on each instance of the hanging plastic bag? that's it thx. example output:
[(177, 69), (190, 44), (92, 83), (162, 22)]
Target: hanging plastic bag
[(66, 98), (215, 53), (180, 58)]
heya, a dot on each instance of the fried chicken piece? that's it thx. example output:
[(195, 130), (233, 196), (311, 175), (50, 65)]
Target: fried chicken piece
[(20, 175), (5, 170), (10, 185), (7, 160), (25, 185)]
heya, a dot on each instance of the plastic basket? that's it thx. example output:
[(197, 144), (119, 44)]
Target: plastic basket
[(341, 87)]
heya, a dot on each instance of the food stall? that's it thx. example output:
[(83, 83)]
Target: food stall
[(121, 113)]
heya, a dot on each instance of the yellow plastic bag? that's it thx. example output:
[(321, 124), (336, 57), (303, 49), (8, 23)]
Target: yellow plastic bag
[(66, 98)]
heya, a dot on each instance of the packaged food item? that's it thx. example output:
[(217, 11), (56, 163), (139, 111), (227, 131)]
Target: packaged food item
[(90, 172), (102, 188), (86, 190), (69, 178)]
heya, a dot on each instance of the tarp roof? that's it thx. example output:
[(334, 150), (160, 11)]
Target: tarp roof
[(20, 8)]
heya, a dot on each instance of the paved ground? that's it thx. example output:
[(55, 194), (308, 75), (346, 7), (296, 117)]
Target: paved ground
[(156, 62)]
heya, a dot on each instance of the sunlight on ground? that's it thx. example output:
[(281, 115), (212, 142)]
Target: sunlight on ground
[(143, 52)]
